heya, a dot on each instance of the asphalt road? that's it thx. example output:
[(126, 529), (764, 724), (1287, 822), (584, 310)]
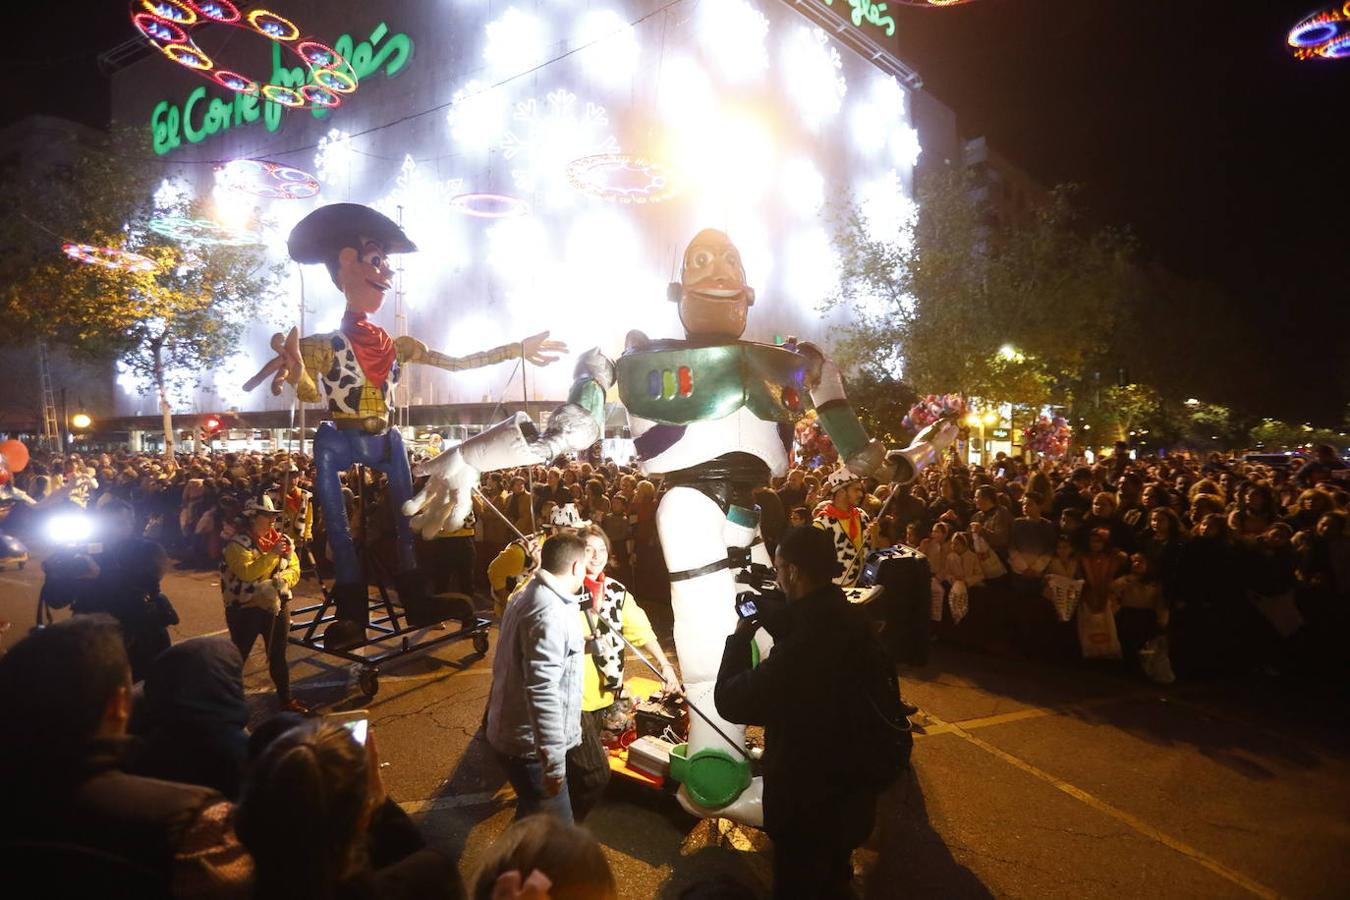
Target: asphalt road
[(1030, 780)]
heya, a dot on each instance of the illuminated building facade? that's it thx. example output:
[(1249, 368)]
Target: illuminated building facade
[(551, 159)]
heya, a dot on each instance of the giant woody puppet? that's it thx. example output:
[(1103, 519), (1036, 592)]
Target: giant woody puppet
[(355, 370), (713, 415)]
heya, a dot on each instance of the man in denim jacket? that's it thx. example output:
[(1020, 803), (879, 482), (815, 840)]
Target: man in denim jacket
[(534, 710)]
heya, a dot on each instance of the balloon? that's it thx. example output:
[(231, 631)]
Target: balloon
[(15, 454)]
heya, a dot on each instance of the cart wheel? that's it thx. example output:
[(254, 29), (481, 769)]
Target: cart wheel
[(480, 643), (369, 681)]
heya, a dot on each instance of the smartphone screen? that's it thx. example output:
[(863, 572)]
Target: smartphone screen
[(746, 608), (358, 729), (357, 721)]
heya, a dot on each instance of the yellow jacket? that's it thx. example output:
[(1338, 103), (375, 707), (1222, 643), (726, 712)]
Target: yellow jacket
[(250, 577)]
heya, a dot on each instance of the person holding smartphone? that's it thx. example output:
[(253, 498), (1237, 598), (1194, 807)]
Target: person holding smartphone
[(258, 569)]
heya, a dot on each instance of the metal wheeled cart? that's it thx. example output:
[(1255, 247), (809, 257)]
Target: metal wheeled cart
[(388, 630)]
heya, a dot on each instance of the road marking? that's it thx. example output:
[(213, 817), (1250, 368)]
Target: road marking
[(412, 807), (1032, 712), (347, 682), (1119, 815), (9, 580)]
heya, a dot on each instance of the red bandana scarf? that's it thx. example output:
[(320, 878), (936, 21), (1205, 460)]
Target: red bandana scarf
[(596, 589), (267, 541), (374, 348), (852, 520)]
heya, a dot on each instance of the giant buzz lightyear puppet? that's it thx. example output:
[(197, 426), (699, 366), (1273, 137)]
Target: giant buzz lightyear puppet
[(355, 370), (713, 415)]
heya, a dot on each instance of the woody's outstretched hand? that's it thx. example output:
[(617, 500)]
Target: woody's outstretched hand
[(538, 350)]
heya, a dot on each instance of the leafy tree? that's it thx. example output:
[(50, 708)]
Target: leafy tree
[(882, 403), (171, 327), (946, 295)]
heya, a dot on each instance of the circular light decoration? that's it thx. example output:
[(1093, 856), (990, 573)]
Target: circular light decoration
[(109, 258), (623, 178), (271, 180), (1324, 34), (202, 232), (489, 206), (168, 24)]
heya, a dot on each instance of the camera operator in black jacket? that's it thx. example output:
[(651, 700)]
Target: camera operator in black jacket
[(817, 808), (121, 579)]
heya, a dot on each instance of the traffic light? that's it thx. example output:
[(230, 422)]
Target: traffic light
[(210, 427)]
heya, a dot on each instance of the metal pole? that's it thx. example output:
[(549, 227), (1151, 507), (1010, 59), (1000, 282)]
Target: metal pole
[(65, 425), (529, 470), (300, 415)]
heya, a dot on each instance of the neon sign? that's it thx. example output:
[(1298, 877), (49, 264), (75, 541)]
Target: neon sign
[(199, 116), (872, 13)]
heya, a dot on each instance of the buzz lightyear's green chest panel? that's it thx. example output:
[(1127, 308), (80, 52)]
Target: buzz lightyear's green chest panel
[(677, 383)]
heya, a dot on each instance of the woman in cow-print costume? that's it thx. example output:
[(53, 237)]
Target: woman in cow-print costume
[(854, 532), (607, 610)]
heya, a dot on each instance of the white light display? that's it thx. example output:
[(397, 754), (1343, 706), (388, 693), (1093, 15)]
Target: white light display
[(545, 137), (802, 187), (334, 156), (172, 195), (810, 267), (611, 47), (733, 34), (419, 201), (874, 116), (477, 116), (814, 72), (516, 42), (904, 146), (764, 121), (891, 214)]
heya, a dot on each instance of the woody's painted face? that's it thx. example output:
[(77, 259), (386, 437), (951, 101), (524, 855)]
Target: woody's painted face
[(714, 298), (364, 277)]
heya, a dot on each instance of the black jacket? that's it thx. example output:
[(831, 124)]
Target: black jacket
[(86, 800), (194, 716), (802, 693)]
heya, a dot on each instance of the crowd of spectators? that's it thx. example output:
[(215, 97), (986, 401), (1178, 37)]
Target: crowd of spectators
[(1214, 565), (1239, 565)]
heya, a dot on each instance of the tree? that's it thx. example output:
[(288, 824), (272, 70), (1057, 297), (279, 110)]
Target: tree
[(881, 402), (171, 327), (949, 293)]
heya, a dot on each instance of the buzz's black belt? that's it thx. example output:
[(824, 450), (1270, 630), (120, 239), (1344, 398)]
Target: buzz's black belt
[(736, 558)]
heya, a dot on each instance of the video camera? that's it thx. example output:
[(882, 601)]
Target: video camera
[(762, 593)]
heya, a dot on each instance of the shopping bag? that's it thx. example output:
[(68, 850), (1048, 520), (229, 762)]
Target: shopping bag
[(990, 564), (1063, 593), (1280, 611), (1097, 633), (958, 601), (938, 594), (1156, 663)]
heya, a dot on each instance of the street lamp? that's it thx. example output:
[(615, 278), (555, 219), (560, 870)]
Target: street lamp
[(80, 421), (1009, 353)]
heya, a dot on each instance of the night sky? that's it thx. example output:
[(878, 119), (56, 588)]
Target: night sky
[(1183, 119)]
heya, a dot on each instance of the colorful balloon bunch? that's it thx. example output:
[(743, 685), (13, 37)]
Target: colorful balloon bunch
[(814, 445), (931, 408), (1048, 437)]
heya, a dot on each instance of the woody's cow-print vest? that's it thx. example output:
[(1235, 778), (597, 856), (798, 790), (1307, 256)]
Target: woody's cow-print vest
[(344, 381)]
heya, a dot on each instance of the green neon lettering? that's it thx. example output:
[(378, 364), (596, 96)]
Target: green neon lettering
[(383, 51), (872, 13), (164, 127), (194, 135), (246, 108), (218, 115)]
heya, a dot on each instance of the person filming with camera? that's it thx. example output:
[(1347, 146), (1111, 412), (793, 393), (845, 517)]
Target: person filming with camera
[(258, 570), (826, 687)]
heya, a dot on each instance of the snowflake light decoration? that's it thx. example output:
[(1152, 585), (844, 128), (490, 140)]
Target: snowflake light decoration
[(813, 71), (543, 140), (733, 33), (172, 195), (477, 116), (890, 212), (333, 159), (612, 49), (516, 42)]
